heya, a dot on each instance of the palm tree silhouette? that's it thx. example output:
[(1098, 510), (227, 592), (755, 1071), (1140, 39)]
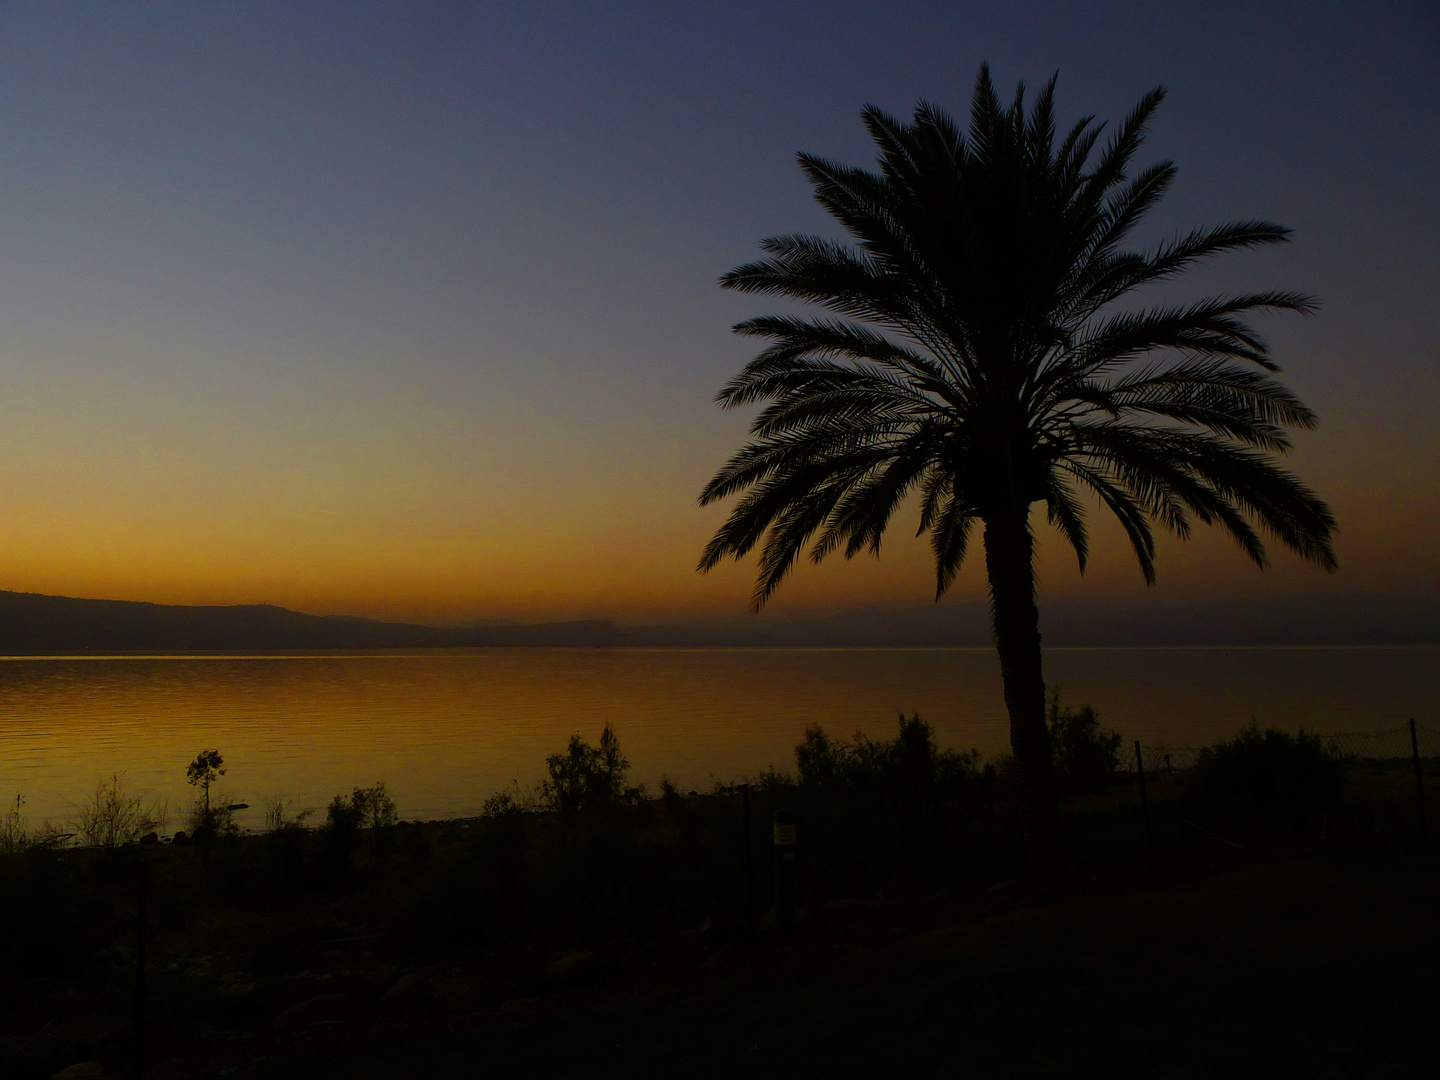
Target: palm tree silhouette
[(980, 360)]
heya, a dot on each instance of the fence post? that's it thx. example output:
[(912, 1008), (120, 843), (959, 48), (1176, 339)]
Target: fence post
[(749, 875), (1419, 781), (784, 824), (1145, 804), (140, 970)]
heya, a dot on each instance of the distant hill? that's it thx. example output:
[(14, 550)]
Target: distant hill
[(1317, 619), (31, 623)]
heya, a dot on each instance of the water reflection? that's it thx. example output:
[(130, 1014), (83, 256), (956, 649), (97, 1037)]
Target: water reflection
[(446, 728)]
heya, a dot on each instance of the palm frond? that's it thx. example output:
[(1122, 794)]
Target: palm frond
[(972, 356)]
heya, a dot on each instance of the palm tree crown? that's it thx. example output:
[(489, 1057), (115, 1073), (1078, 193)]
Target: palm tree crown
[(985, 353), (977, 358)]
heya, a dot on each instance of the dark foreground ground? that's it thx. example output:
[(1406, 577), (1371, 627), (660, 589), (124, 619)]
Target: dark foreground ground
[(1319, 965), (1279, 941)]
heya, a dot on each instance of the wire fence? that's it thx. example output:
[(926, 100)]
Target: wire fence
[(1392, 744), (1385, 745)]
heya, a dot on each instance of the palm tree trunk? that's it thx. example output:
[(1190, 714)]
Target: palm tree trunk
[(1009, 561)]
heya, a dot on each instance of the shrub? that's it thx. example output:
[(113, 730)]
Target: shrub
[(1086, 755), (819, 759), (17, 835), (279, 816), (339, 835), (585, 776), (670, 797), (343, 816), (500, 805), (1268, 776), (910, 764), (376, 808), (367, 808), (882, 813), (52, 922), (207, 822), (15, 827), (286, 841), (112, 817)]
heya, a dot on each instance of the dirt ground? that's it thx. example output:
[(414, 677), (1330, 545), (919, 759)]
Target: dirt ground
[(1315, 956), (1317, 966)]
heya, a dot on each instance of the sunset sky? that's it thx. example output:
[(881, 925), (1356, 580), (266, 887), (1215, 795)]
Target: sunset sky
[(410, 310)]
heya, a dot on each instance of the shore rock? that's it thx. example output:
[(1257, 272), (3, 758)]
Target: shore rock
[(457, 996), (534, 981), (363, 985), (572, 970), (494, 991), (272, 996), (323, 1008), (410, 992), (683, 947), (850, 908)]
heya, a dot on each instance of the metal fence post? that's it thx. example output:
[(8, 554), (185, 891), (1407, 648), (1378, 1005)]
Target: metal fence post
[(1419, 779), (784, 823), (140, 970), (749, 874), (1145, 804)]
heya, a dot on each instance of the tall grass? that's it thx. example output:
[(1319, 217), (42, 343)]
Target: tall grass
[(113, 816)]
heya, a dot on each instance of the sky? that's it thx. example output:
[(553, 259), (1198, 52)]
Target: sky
[(410, 310)]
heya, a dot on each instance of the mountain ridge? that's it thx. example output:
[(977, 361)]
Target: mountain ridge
[(34, 623)]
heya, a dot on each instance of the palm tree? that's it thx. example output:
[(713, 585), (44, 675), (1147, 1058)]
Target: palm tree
[(985, 352)]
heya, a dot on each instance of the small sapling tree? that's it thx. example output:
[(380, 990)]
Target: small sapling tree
[(207, 820), (207, 768)]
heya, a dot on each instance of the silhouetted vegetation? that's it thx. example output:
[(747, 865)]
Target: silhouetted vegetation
[(1086, 755), (15, 827), (1268, 777), (589, 880), (877, 814), (925, 373), (114, 817), (586, 777), (208, 821), (366, 808), (17, 834), (371, 810)]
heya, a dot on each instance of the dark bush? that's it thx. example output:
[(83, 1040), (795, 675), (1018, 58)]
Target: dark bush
[(585, 776), (1086, 755), (41, 908), (910, 766), (1268, 776), (882, 814), (339, 837)]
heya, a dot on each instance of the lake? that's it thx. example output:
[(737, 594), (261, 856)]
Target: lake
[(445, 729)]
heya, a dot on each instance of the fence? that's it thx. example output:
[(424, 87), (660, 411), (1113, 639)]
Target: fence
[(1413, 742), (1392, 744)]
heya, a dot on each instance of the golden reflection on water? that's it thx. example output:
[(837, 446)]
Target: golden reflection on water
[(445, 729)]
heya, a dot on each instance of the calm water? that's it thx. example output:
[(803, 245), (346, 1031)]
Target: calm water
[(446, 729)]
